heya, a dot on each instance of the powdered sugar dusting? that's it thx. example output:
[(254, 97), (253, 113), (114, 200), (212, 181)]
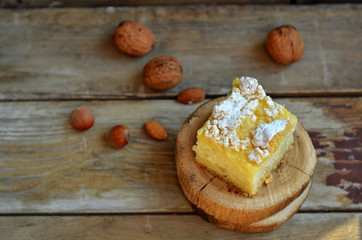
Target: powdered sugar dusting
[(262, 136), (221, 113), (264, 133), (273, 107), (257, 153), (235, 109), (249, 87), (227, 116)]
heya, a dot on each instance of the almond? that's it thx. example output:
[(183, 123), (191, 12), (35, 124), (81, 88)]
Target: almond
[(162, 73), (191, 95), (155, 130), (133, 38), (285, 44)]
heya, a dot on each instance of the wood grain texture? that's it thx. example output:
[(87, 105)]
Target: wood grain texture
[(71, 50), (226, 207), (300, 226), (275, 221), (102, 3), (105, 3), (48, 167), (326, 1)]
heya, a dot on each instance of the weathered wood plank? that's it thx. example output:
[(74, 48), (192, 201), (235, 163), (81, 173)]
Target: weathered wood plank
[(102, 3), (300, 226), (105, 3), (46, 166), (68, 53), (326, 1)]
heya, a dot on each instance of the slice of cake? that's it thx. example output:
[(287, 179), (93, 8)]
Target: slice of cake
[(245, 137)]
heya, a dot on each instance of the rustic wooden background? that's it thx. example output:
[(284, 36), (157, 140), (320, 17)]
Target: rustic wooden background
[(58, 183), (102, 3)]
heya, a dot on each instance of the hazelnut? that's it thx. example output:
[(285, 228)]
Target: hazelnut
[(191, 95), (285, 44), (162, 73), (155, 130), (82, 118), (133, 38), (118, 136)]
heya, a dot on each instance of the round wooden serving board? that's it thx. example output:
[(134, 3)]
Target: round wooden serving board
[(221, 204)]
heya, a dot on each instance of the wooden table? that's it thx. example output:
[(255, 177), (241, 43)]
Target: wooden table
[(58, 183)]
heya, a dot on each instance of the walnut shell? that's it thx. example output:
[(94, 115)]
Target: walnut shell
[(162, 73), (285, 44), (133, 38)]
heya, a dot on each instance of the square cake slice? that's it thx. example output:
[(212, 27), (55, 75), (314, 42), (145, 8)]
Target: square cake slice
[(245, 137)]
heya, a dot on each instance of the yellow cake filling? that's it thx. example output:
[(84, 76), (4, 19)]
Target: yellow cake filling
[(245, 137)]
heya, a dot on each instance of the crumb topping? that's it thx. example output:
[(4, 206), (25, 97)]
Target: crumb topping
[(265, 132), (257, 153), (273, 107), (262, 136), (235, 109)]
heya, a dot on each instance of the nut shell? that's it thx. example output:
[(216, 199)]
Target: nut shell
[(118, 136), (285, 44), (191, 95), (155, 130), (162, 73), (82, 118), (133, 38)]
